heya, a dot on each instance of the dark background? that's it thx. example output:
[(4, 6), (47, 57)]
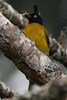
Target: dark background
[(54, 12)]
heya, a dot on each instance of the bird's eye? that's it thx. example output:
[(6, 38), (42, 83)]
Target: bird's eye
[(35, 16)]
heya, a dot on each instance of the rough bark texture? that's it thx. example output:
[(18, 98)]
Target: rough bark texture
[(59, 53), (34, 64), (11, 13), (56, 89), (5, 92)]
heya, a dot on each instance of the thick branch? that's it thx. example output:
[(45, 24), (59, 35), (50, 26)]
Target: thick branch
[(16, 18), (5, 92), (58, 52), (36, 66), (56, 89), (11, 13)]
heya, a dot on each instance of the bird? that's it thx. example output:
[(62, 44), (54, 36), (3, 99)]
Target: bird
[(35, 31)]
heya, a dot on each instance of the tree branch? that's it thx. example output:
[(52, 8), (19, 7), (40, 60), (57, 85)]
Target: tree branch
[(11, 13), (59, 53), (5, 92), (56, 89), (34, 64)]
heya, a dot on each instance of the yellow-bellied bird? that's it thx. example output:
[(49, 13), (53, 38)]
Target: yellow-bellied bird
[(35, 31)]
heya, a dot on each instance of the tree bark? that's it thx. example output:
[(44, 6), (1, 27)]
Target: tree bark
[(56, 89), (5, 92), (59, 53), (15, 17), (37, 67)]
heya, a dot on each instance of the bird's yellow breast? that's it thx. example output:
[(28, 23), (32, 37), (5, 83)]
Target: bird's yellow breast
[(37, 33)]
